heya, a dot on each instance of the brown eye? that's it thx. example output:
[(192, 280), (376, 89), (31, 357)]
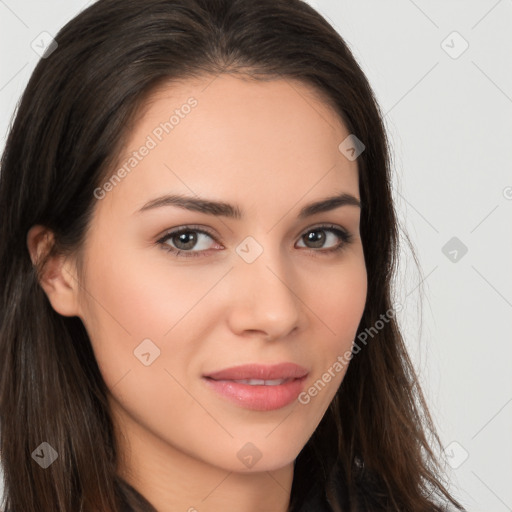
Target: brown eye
[(181, 242), (317, 237)]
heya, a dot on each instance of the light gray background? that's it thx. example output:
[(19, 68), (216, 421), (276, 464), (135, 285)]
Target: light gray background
[(450, 122)]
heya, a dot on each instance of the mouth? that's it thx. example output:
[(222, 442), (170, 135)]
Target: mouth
[(259, 387), (260, 372), (257, 382)]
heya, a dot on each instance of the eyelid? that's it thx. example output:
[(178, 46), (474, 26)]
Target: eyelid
[(184, 228)]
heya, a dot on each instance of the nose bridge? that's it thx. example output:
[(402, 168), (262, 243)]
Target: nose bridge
[(264, 297)]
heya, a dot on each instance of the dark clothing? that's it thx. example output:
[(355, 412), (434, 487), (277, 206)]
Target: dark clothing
[(314, 503)]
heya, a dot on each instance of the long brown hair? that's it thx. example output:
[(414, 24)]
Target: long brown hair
[(373, 449)]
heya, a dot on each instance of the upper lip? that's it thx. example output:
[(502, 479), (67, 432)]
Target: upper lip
[(260, 371)]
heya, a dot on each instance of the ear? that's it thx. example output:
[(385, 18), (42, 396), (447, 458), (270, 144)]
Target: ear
[(58, 279)]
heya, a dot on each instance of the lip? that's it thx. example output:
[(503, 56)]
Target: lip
[(260, 371), (259, 397)]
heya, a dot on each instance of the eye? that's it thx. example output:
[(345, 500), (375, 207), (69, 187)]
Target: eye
[(180, 242), (184, 239), (317, 237)]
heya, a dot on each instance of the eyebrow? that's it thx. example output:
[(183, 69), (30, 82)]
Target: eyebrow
[(222, 209)]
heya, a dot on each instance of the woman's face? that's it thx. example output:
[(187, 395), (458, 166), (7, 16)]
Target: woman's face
[(258, 288)]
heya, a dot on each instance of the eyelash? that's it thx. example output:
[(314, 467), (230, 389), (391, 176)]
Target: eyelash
[(341, 233)]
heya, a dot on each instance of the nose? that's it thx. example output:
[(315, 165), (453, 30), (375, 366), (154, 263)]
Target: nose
[(263, 298)]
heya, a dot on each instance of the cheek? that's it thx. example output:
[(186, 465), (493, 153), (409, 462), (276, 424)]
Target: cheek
[(139, 320), (340, 310), (128, 302), (341, 304), (143, 299)]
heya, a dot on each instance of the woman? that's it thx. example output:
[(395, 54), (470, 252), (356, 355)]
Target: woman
[(255, 362)]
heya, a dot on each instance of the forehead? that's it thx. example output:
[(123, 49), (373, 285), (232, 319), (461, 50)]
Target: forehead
[(240, 110), (223, 134)]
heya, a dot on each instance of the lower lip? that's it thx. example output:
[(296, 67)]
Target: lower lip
[(258, 398)]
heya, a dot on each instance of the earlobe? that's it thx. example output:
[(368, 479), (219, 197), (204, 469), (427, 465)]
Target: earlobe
[(58, 277)]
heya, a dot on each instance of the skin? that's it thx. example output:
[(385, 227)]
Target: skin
[(271, 148)]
